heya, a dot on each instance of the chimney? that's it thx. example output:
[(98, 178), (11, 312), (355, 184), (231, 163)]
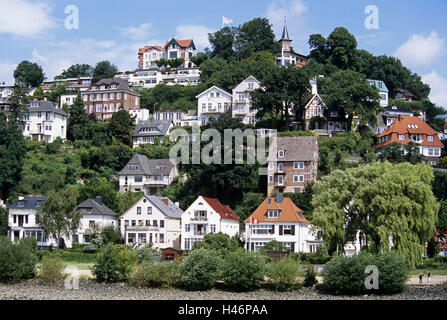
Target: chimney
[(177, 204), (279, 198), (166, 201), (99, 200)]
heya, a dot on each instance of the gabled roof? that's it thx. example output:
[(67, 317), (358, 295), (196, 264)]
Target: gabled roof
[(404, 92), (248, 79), (170, 210), (98, 209), (141, 165), (147, 48), (289, 212), (45, 106), (224, 211), (311, 98), (28, 203), (181, 43), (404, 125), (296, 149), (214, 87), (160, 128)]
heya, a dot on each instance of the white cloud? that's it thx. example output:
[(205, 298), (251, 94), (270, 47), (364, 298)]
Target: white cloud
[(139, 33), (292, 9), (438, 86), (420, 50), (25, 18), (198, 33), (7, 72)]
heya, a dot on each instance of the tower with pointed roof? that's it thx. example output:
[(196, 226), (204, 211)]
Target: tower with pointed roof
[(286, 42), (287, 55)]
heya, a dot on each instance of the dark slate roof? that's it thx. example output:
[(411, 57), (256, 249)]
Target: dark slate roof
[(143, 166), (171, 210), (29, 203), (161, 128), (96, 208), (296, 149), (122, 85), (397, 110), (45, 106), (285, 34)]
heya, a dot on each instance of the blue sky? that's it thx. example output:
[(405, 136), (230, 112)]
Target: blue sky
[(414, 31)]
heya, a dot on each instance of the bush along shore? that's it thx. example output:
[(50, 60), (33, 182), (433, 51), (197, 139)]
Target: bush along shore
[(208, 272)]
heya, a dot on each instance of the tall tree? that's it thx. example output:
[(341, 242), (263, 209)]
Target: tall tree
[(253, 36), (350, 92), (57, 217), (12, 143), (384, 204), (121, 127), (104, 70), (76, 70), (29, 74), (222, 43), (78, 120)]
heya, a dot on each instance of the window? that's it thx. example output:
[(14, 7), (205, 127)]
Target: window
[(162, 223), (187, 227), (401, 137), (155, 224), (270, 178), (149, 210), (213, 228), (280, 167), (280, 180), (273, 214), (430, 138), (271, 165), (162, 238), (138, 210), (298, 165), (91, 224), (297, 190), (281, 154), (138, 179)]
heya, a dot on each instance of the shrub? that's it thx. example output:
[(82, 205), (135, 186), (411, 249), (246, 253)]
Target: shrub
[(346, 275), (311, 277), (52, 270), (17, 261), (90, 248), (243, 271), (156, 275), (393, 273), (113, 265), (283, 274), (111, 235), (145, 253), (200, 270)]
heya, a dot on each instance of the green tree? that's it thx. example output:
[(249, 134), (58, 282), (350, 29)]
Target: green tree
[(57, 217), (77, 121), (12, 143), (199, 58), (3, 222), (104, 70), (253, 36), (222, 43), (350, 92), (219, 242), (210, 66), (76, 70), (121, 127), (380, 201), (442, 216), (29, 74), (249, 204)]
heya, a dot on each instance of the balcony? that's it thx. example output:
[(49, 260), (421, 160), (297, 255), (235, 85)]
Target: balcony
[(141, 228), (199, 233), (212, 111), (199, 220)]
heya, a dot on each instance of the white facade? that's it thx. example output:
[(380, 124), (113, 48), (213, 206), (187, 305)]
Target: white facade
[(242, 100), (212, 103), (44, 124), (68, 99), (151, 55), (175, 116), (140, 114), (148, 79), (295, 236), (145, 222), (200, 219)]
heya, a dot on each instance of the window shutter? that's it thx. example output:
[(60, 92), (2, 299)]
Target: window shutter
[(280, 230), (293, 230), (273, 229)]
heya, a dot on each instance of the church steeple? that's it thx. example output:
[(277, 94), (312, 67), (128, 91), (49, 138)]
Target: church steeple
[(285, 32)]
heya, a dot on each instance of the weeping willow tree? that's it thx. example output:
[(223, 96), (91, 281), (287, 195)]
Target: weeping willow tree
[(383, 205)]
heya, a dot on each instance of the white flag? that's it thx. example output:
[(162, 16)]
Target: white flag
[(226, 20)]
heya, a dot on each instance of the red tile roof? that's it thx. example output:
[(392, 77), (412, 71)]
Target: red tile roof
[(289, 211), (224, 211), (403, 125), (181, 43), (146, 48)]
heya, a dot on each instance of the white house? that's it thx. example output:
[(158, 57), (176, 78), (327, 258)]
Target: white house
[(94, 214), (148, 176), (22, 221), (207, 215), (242, 106), (43, 121), (281, 220), (67, 99), (383, 91), (147, 131), (153, 220), (140, 114), (212, 103), (173, 115)]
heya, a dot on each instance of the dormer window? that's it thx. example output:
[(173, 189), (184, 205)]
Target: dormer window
[(133, 166), (273, 214), (281, 154), (430, 138)]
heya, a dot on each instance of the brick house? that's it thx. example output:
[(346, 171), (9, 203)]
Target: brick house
[(292, 165), (108, 96)]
